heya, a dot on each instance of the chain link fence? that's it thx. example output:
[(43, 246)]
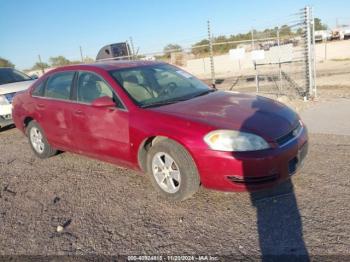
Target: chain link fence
[(278, 61)]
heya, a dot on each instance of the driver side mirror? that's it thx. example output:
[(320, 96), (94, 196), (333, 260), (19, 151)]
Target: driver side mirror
[(34, 77), (104, 101)]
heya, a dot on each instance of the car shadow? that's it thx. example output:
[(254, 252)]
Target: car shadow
[(3, 129), (279, 223)]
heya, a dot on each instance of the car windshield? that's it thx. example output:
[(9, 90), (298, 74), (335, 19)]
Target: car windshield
[(157, 85), (10, 75)]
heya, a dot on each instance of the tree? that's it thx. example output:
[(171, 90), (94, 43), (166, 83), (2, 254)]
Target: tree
[(171, 48), (285, 30), (223, 48), (5, 63), (75, 62), (59, 61), (201, 47), (319, 25), (88, 60), (40, 66)]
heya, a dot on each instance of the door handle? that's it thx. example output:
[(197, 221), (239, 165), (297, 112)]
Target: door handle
[(40, 106), (79, 112)]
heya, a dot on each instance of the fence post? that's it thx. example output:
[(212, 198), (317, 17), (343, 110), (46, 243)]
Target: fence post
[(314, 55), (279, 58), (211, 55), (256, 77), (308, 52), (204, 70)]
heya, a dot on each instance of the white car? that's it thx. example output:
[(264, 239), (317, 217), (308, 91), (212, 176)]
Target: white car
[(11, 82)]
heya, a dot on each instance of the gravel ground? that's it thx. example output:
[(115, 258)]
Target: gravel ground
[(108, 210), (328, 117)]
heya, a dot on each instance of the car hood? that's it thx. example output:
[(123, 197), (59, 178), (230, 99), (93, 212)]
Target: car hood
[(229, 110), (15, 87)]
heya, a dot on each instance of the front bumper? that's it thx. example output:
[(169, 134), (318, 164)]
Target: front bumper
[(5, 115), (251, 171), (5, 120)]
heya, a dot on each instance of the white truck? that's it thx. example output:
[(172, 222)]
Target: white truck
[(11, 82), (341, 33), (346, 32), (323, 35)]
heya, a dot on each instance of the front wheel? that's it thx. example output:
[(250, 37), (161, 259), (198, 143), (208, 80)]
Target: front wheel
[(38, 141), (172, 170)]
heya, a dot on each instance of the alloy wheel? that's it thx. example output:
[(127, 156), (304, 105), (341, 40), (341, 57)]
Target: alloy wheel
[(36, 138), (166, 172)]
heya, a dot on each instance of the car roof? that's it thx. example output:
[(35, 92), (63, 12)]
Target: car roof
[(7, 68), (109, 65)]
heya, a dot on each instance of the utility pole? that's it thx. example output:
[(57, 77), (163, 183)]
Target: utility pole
[(325, 49), (41, 65), (211, 55), (132, 48), (128, 49), (81, 54)]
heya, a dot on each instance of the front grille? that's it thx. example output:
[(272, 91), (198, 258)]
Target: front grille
[(6, 117), (295, 162), (253, 180), (293, 165), (289, 136), (10, 97)]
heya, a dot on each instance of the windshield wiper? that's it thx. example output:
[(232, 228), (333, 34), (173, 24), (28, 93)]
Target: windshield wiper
[(162, 103), (204, 93)]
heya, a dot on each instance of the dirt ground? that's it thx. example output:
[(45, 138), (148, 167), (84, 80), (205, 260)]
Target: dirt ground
[(106, 210)]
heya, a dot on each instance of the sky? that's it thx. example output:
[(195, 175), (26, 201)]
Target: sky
[(59, 27)]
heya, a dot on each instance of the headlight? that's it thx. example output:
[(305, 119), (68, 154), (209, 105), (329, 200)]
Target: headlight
[(229, 140), (3, 100)]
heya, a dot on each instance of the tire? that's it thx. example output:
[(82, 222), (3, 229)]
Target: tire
[(40, 146), (182, 175)]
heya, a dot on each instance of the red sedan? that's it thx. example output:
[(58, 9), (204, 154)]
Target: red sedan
[(159, 119)]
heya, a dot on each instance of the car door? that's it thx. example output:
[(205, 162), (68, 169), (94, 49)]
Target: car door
[(52, 106), (97, 131)]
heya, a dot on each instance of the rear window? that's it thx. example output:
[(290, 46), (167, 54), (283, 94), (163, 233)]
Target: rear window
[(91, 87), (10, 75), (39, 89), (59, 85)]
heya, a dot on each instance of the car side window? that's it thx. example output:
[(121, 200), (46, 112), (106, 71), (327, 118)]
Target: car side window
[(136, 84), (59, 85), (90, 87), (39, 89)]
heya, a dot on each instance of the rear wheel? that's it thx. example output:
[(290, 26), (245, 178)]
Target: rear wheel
[(172, 170), (38, 141)]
